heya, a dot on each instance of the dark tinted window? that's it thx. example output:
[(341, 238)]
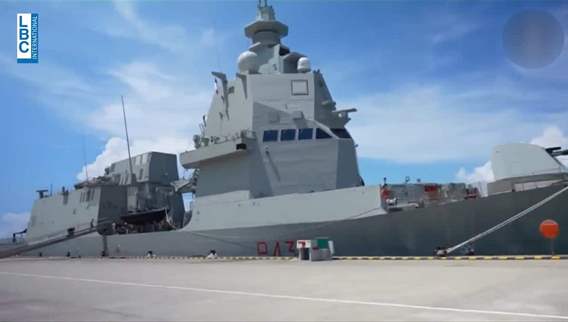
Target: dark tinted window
[(341, 133), (305, 134), (321, 134), (270, 136), (288, 135)]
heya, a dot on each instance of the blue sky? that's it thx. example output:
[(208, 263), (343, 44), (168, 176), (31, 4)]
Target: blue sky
[(433, 86)]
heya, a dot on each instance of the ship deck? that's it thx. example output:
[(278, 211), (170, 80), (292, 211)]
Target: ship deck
[(66, 289)]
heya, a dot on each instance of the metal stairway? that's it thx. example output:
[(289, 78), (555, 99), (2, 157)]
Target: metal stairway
[(68, 234)]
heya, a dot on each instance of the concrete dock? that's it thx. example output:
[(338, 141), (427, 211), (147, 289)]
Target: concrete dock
[(285, 290)]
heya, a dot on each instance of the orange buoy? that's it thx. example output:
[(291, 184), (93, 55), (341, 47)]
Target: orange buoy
[(549, 229)]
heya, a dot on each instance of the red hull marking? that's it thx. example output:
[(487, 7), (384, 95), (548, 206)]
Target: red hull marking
[(261, 248), (291, 246), (276, 249)]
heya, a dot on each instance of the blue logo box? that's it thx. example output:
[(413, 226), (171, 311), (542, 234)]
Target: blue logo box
[(27, 38)]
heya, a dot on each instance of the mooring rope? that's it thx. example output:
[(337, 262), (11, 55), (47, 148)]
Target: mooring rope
[(508, 221)]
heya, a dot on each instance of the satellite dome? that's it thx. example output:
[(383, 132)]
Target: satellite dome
[(248, 62), (304, 65)]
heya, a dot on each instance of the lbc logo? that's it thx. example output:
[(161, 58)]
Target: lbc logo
[(27, 41)]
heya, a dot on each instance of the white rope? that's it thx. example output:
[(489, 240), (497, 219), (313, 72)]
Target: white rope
[(508, 221)]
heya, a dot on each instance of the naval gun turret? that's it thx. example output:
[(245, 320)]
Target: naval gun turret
[(274, 129), (522, 166)]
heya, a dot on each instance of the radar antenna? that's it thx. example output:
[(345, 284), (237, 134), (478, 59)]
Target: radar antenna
[(127, 138)]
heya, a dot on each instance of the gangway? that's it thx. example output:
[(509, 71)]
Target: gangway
[(61, 236)]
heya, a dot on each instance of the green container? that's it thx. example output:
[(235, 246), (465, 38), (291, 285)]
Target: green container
[(322, 242)]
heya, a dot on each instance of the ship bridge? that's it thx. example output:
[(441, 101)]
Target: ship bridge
[(274, 129)]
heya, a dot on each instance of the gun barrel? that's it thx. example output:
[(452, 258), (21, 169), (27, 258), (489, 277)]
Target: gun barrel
[(559, 153)]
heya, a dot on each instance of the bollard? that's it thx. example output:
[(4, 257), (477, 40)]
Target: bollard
[(303, 247)]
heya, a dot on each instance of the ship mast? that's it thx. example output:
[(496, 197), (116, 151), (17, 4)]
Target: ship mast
[(85, 159), (127, 138)]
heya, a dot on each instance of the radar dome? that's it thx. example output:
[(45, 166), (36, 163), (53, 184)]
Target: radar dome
[(248, 62), (304, 65)]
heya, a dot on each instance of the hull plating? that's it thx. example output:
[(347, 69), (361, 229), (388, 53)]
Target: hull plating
[(415, 232)]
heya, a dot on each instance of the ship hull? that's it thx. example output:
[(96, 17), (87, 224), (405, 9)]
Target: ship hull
[(407, 233)]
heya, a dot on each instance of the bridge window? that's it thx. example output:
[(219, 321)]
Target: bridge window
[(270, 136), (321, 134), (300, 87), (306, 134), (341, 133), (288, 135)]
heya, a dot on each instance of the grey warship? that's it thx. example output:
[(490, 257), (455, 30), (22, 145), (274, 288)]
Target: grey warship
[(274, 163)]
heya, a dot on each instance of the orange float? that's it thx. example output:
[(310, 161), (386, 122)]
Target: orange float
[(549, 229)]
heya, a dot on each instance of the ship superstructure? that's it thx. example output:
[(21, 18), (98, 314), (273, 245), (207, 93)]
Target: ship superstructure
[(139, 201), (274, 129)]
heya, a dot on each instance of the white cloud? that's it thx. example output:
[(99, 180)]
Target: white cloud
[(116, 149), (12, 222), (157, 104), (62, 81), (454, 30), (164, 103), (163, 107), (145, 79), (551, 136), (171, 37), (414, 124), (450, 26), (162, 114), (483, 173), (431, 123)]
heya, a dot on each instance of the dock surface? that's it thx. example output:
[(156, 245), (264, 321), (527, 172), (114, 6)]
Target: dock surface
[(66, 289)]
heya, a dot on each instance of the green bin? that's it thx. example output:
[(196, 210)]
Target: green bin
[(322, 242)]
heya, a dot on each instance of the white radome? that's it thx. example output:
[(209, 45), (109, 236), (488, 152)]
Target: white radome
[(304, 65), (248, 62)]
